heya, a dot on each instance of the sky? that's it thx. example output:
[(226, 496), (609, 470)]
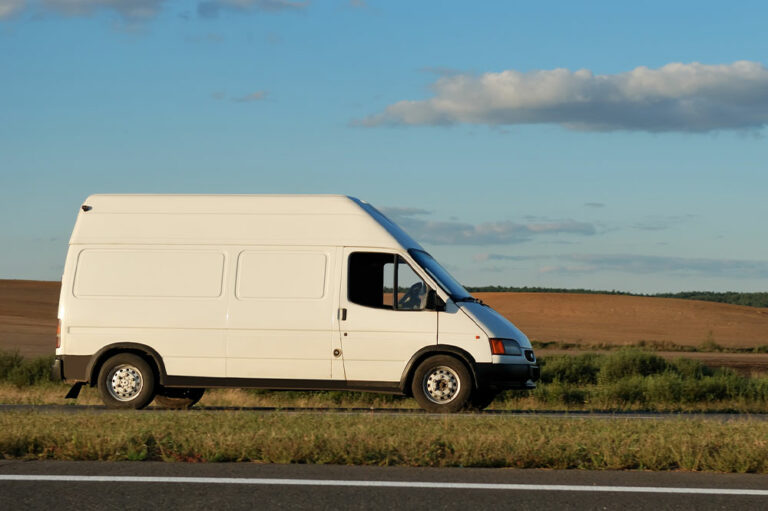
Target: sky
[(600, 145)]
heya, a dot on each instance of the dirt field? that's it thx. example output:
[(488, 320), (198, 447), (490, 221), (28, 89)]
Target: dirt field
[(28, 311), (611, 319), (28, 319)]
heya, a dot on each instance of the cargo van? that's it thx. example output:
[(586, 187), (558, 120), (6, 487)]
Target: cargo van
[(164, 296)]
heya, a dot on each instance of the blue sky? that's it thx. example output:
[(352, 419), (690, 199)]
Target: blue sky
[(559, 144)]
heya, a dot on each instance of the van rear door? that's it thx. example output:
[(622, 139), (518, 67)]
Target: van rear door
[(383, 318)]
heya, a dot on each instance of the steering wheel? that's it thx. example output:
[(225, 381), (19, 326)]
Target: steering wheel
[(412, 298)]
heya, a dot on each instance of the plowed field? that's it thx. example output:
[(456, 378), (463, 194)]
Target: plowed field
[(612, 319), (28, 319)]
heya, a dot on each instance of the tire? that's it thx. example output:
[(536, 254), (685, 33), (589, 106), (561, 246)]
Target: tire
[(178, 398), (442, 384), (126, 381), (481, 399)]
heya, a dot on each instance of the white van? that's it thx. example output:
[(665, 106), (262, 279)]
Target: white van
[(164, 296)]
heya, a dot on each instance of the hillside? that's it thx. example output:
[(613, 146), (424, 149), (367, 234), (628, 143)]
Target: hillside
[(28, 318)]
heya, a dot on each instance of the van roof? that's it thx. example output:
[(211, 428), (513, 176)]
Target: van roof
[(235, 219)]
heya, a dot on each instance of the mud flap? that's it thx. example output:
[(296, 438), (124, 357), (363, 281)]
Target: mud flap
[(74, 391)]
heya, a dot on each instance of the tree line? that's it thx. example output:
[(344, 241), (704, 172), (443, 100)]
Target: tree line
[(757, 299)]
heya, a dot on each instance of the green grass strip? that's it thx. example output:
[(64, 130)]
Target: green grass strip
[(453, 441)]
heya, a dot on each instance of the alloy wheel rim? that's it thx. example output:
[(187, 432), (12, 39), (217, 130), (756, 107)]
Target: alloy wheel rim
[(124, 382), (441, 385)]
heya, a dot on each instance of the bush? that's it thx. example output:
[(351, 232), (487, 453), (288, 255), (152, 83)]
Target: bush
[(663, 388), (631, 362), (626, 391), (580, 369), (9, 361), (561, 393), (690, 369), (21, 372)]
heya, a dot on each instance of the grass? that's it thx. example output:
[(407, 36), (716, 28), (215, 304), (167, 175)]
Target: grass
[(627, 379), (633, 379), (621, 380), (451, 441)]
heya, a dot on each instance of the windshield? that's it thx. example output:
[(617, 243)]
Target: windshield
[(441, 275)]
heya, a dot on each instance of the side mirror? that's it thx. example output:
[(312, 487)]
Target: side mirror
[(434, 302)]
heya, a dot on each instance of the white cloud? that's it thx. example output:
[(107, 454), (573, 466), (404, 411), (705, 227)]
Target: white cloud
[(211, 8), (128, 9), (488, 233), (10, 7), (677, 97)]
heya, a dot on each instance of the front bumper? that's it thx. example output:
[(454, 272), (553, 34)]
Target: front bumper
[(507, 376)]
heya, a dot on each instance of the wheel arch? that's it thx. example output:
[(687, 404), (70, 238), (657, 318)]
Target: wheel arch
[(151, 356), (429, 351)]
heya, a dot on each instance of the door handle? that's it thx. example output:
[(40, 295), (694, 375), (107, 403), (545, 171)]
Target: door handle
[(336, 352), (343, 314)]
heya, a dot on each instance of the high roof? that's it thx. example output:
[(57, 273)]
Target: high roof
[(336, 220), (223, 204)]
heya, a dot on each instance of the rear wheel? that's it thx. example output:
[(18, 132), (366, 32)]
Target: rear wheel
[(442, 384), (178, 398), (126, 381)]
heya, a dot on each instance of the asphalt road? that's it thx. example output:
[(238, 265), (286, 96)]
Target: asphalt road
[(150, 485)]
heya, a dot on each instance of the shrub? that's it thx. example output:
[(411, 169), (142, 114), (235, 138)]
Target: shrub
[(625, 391), (561, 393), (690, 369), (580, 369), (21, 372), (663, 388), (9, 360), (631, 362)]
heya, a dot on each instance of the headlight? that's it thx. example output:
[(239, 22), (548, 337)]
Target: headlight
[(505, 347)]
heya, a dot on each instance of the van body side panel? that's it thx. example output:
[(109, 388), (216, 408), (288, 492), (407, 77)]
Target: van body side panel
[(168, 297), (281, 314), (457, 329)]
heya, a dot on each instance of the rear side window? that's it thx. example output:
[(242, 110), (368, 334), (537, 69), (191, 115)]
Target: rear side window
[(149, 273), (384, 281), (265, 275)]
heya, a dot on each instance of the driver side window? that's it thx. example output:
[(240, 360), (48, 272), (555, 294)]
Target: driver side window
[(384, 281), (411, 289)]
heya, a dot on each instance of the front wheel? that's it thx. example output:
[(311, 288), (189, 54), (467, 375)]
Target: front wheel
[(482, 398), (178, 398), (442, 384), (126, 381)]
